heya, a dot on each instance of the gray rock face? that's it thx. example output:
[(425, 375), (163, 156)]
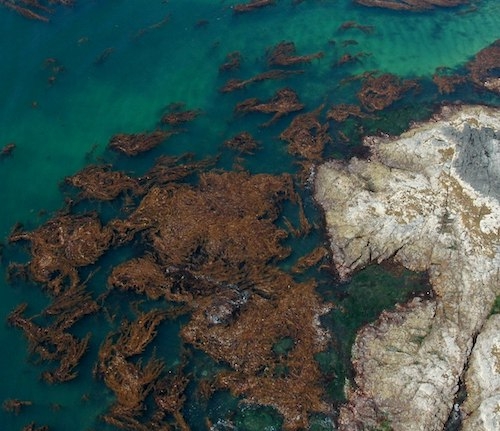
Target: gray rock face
[(429, 200), (478, 159)]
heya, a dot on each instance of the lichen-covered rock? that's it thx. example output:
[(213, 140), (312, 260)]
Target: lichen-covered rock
[(482, 407), (429, 200)]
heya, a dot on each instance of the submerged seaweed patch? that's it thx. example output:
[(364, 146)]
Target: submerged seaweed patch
[(211, 246)]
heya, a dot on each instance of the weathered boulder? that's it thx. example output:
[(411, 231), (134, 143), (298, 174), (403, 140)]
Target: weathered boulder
[(429, 200)]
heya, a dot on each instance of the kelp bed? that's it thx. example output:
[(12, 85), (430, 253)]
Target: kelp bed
[(212, 246)]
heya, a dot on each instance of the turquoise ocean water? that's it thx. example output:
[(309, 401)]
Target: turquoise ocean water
[(99, 68)]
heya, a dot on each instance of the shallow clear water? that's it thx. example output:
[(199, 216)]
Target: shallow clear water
[(58, 127)]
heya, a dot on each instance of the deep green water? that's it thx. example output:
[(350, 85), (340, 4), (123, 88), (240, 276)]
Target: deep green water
[(60, 127)]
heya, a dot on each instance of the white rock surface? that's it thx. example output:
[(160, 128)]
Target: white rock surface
[(482, 406), (429, 200)]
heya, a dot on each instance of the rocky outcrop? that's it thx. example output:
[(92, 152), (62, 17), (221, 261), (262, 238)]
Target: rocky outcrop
[(429, 200), (482, 407)]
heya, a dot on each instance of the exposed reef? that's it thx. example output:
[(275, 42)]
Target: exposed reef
[(428, 200)]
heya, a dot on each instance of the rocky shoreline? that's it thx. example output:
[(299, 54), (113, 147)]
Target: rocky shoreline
[(429, 200)]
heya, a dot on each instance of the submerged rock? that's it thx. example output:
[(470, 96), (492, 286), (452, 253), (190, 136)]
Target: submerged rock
[(429, 200)]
